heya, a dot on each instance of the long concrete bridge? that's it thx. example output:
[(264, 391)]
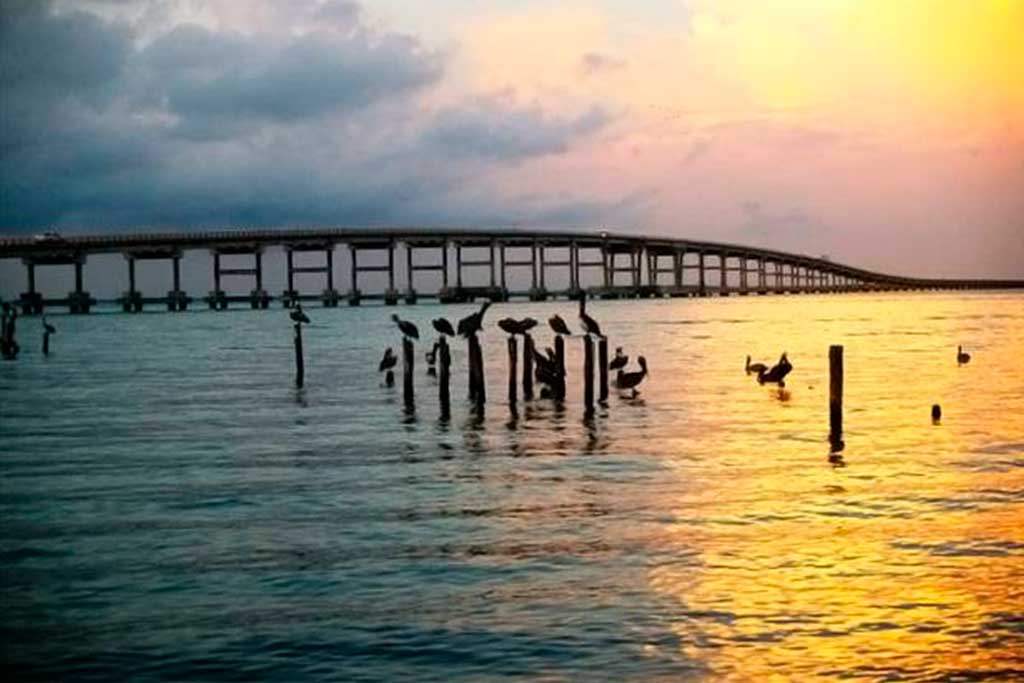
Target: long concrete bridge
[(621, 265)]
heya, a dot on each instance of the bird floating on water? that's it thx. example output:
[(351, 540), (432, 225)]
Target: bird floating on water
[(513, 326), (755, 368), (590, 325), (777, 373), (443, 326), (298, 315), (48, 328), (631, 380), (962, 357), (473, 323), (407, 328), (558, 325), (619, 361)]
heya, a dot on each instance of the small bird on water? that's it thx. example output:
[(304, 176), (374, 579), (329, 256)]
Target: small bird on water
[(755, 368), (631, 380), (777, 373), (619, 361), (298, 315), (962, 357)]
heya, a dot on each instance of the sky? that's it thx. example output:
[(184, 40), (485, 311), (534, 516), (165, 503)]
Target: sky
[(886, 134)]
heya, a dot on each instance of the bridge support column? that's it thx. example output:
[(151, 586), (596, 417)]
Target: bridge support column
[(289, 297), (79, 300), (391, 296), (131, 301), (701, 274), (410, 287), (177, 300), (538, 291), (354, 295), (723, 274), (31, 301), (330, 294), (744, 285), (762, 277)]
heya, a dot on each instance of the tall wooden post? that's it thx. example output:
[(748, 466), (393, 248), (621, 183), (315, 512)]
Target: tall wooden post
[(602, 359), (527, 367), (300, 367), (835, 394), (478, 391), (513, 375), (408, 362), (588, 374), (443, 390), (46, 343), (559, 388)]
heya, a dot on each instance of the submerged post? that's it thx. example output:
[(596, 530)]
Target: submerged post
[(588, 374), (559, 387), (513, 380), (408, 361), (835, 394), (527, 367), (602, 359), (300, 368), (443, 378)]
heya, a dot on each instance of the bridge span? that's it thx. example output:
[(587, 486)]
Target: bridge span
[(595, 263)]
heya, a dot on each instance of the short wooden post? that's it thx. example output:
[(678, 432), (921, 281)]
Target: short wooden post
[(478, 391), (408, 361), (602, 360), (300, 368), (559, 388), (835, 393), (527, 367), (471, 362), (588, 374), (443, 390), (46, 343), (389, 378), (513, 378)]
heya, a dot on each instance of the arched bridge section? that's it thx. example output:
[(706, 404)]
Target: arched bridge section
[(510, 263)]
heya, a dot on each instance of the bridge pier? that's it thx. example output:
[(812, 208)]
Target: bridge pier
[(218, 299), (329, 296)]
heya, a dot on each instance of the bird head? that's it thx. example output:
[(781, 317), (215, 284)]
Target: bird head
[(394, 316), (642, 361), (618, 350)]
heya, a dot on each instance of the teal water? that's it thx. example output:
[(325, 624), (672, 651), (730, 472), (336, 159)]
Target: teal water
[(172, 508)]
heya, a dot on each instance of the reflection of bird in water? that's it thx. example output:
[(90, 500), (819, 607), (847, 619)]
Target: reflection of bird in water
[(48, 328), (407, 328), (619, 361), (388, 361), (777, 373), (558, 325), (962, 358), (298, 315), (443, 326), (513, 326), (472, 324), (589, 324), (631, 380), (757, 368)]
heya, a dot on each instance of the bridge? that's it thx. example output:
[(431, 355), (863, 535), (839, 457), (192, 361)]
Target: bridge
[(595, 263)]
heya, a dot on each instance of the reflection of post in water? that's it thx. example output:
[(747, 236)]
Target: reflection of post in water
[(446, 364), (527, 367)]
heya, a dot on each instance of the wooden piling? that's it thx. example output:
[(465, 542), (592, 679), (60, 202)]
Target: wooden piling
[(588, 374), (527, 367), (513, 379), (443, 390), (835, 393), (478, 391), (602, 359), (300, 368), (46, 343), (408, 362), (559, 388)]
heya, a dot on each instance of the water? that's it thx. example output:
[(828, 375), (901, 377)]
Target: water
[(172, 508)]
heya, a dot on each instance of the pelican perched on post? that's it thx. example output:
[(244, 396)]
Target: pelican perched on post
[(589, 324), (443, 326), (472, 323), (619, 361), (631, 380), (755, 368), (962, 358), (48, 328), (558, 325), (408, 329), (514, 327), (298, 315)]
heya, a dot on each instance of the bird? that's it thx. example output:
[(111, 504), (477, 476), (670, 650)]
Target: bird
[(777, 373), (298, 315), (619, 361), (407, 328), (48, 328), (472, 324), (962, 358), (589, 324), (389, 360), (558, 325), (513, 326), (431, 355), (755, 368), (631, 380), (443, 326)]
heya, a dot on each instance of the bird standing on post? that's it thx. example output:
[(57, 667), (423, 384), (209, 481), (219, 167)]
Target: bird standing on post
[(558, 325), (443, 327), (962, 358), (298, 315), (619, 361), (48, 329), (631, 380), (514, 327), (590, 325), (472, 324), (408, 329)]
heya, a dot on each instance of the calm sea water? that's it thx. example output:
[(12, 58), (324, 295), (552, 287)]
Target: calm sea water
[(172, 508)]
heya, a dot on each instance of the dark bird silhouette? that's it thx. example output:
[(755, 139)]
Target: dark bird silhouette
[(407, 328), (755, 368), (962, 358), (631, 380), (298, 315), (48, 328), (777, 373), (431, 355), (590, 325), (558, 325), (619, 361), (389, 360), (443, 326), (513, 326), (473, 323)]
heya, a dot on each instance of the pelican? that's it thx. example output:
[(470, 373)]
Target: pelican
[(631, 380), (389, 360), (472, 324), (298, 315), (48, 328), (513, 326), (619, 361), (558, 325), (961, 357), (443, 326), (407, 328), (777, 374), (589, 324), (755, 368), (431, 357)]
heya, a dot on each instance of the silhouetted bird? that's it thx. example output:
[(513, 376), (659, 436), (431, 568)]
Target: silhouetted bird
[(631, 380), (513, 326), (298, 315), (407, 328), (755, 367), (388, 361), (777, 374), (962, 358), (48, 328), (472, 324), (431, 355), (443, 326), (590, 325), (558, 325), (619, 361)]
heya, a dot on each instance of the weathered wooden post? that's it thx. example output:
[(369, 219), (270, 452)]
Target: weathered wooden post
[(443, 390), (408, 361), (588, 374), (527, 367), (478, 391), (513, 379), (602, 359), (559, 388), (835, 394), (46, 343), (300, 368)]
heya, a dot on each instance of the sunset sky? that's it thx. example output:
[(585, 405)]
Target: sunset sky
[(886, 133)]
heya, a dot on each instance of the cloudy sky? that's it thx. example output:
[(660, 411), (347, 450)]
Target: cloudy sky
[(889, 135)]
